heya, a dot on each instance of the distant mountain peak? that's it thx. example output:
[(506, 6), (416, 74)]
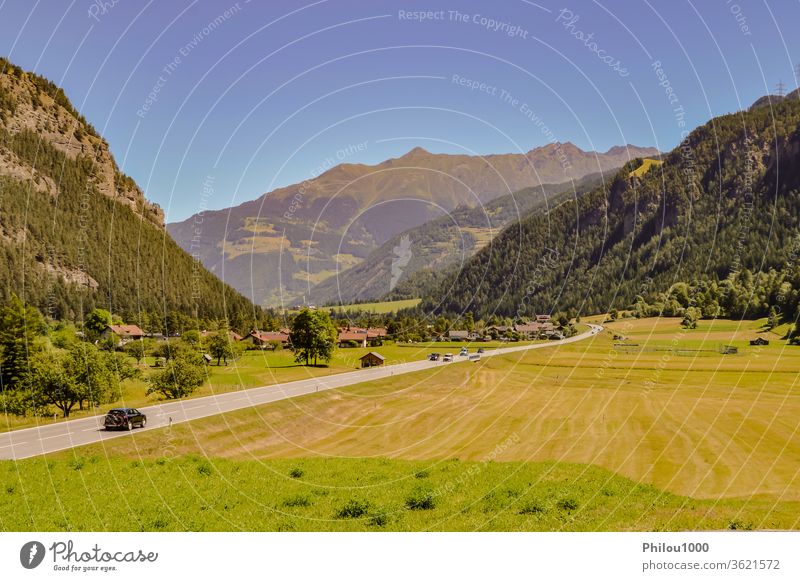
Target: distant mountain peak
[(417, 151)]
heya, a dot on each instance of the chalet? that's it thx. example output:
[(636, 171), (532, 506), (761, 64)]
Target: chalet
[(372, 359), (122, 333), (376, 333), (535, 330), (759, 341), (529, 330), (262, 339), (352, 338)]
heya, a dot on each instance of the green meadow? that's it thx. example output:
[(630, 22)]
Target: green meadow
[(78, 492)]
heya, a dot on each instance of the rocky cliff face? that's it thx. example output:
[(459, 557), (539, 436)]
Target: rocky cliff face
[(32, 103), (75, 232)]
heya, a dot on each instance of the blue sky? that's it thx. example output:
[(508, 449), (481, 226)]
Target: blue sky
[(249, 96)]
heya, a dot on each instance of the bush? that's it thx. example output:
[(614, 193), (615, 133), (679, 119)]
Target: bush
[(421, 499), (567, 504), (533, 507), (422, 474), (299, 500), (379, 518), (353, 509), (296, 472), (739, 525), (18, 402)]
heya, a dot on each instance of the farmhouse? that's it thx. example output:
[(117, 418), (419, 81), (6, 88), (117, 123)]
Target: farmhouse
[(122, 333), (352, 338), (535, 330), (372, 359), (376, 334), (263, 338)]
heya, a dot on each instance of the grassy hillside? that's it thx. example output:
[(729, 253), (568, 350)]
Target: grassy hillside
[(726, 200), (75, 232)]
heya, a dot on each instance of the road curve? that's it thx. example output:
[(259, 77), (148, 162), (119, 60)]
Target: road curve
[(30, 442)]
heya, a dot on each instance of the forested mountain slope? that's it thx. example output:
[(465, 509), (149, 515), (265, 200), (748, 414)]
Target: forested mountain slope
[(75, 232), (441, 244), (725, 200)]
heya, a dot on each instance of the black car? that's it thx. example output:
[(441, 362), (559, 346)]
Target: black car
[(433, 357), (480, 350), (124, 418)]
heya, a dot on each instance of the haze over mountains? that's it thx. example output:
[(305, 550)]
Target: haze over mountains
[(277, 248)]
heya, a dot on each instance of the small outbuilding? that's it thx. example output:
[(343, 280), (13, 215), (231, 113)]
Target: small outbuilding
[(372, 359), (759, 341)]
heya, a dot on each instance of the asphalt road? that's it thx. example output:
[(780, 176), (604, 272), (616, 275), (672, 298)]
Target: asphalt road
[(30, 442)]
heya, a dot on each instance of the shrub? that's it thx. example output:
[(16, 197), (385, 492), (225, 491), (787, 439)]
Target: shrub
[(567, 504), (739, 525), (421, 499), (299, 500), (533, 507), (204, 470), (379, 519), (422, 474), (353, 509), (296, 472)]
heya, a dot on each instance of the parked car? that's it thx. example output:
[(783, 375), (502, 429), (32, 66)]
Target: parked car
[(464, 352), (448, 357), (433, 357), (480, 350), (124, 418)]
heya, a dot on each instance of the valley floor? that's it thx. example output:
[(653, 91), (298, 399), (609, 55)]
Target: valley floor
[(644, 427)]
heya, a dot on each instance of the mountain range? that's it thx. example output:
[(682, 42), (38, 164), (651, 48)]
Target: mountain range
[(277, 248)]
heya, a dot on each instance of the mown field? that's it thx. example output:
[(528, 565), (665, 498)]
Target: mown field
[(666, 413), (379, 308), (96, 493), (255, 369), (685, 437)]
